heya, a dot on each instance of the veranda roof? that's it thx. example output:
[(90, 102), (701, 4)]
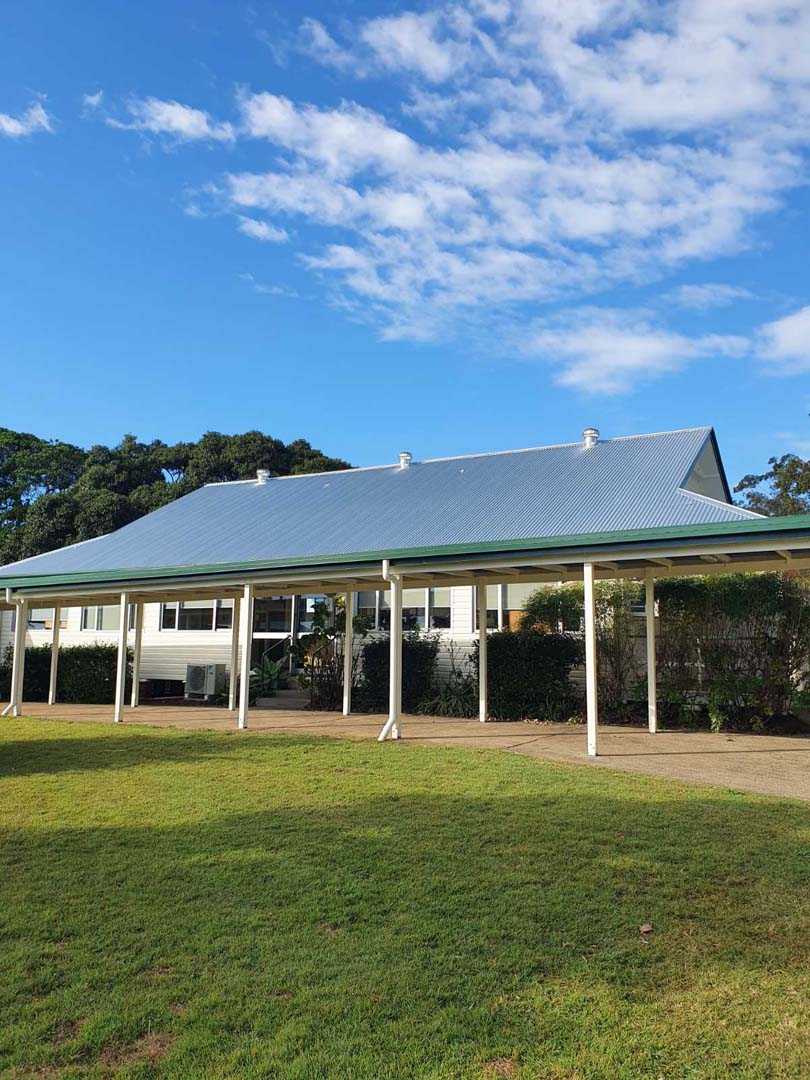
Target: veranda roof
[(554, 498)]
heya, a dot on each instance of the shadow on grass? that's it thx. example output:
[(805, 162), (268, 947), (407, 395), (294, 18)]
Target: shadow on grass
[(395, 914), (120, 749)]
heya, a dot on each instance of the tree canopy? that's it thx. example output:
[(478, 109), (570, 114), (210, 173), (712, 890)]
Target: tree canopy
[(53, 493), (783, 489)]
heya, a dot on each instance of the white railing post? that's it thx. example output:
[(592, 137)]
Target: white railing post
[(591, 696), (246, 636), (395, 664), (483, 703), (652, 693), (121, 663), (234, 654), (57, 616), (18, 661), (348, 648), (135, 697)]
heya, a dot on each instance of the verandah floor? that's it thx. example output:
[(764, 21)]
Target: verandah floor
[(770, 765)]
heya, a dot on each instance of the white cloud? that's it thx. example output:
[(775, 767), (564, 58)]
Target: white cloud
[(409, 41), (610, 352), (785, 343), (173, 119), (270, 290), (35, 118), (260, 230), (92, 102), (527, 152), (707, 296), (318, 43)]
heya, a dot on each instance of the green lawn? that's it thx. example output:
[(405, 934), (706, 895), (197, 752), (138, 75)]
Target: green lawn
[(219, 906)]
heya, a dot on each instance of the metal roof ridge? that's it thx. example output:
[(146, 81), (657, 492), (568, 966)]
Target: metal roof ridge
[(465, 457), (561, 446)]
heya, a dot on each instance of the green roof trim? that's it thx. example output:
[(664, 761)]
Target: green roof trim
[(794, 525)]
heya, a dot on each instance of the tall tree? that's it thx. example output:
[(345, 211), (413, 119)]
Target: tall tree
[(53, 493), (783, 489)]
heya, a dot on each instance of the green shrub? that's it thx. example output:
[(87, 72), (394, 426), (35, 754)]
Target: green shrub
[(734, 647), (419, 654), (731, 650), (86, 673), (619, 638), (529, 674), (458, 694)]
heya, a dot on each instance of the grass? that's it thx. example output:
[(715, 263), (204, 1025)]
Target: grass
[(195, 905)]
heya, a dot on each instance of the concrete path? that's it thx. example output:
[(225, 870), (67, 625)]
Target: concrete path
[(768, 764)]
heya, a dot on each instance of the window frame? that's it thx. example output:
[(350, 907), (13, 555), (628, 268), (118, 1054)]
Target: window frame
[(216, 607), (96, 629)]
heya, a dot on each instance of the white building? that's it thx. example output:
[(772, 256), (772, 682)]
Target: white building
[(199, 631), (436, 533)]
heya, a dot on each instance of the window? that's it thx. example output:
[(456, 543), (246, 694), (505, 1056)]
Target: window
[(105, 618), (42, 619), (224, 615), (515, 596), (272, 614), (197, 615), (413, 609), (439, 609), (306, 611), (494, 607), (367, 606)]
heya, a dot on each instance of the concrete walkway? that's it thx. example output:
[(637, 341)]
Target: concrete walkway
[(768, 764)]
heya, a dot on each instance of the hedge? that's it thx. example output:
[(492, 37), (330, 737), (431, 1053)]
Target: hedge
[(86, 673), (419, 653), (529, 674), (732, 650)]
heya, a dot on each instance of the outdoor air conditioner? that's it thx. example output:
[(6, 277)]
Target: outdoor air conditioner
[(204, 681)]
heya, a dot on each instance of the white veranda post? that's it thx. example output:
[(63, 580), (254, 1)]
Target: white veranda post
[(348, 647), (121, 663), (136, 657), (234, 655), (57, 617), (18, 662), (591, 698), (246, 636), (395, 664), (649, 610), (483, 705)]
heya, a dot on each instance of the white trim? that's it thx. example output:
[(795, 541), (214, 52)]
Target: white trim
[(121, 659), (348, 650), (234, 654), (246, 637), (746, 514), (591, 695), (57, 618), (649, 613), (483, 684), (137, 645)]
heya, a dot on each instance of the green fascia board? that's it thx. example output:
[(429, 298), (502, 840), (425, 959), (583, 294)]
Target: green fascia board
[(796, 525)]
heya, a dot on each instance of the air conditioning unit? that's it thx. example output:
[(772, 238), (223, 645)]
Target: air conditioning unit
[(204, 681)]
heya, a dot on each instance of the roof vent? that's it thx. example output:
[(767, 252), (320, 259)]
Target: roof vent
[(591, 437), (405, 459), (262, 475)]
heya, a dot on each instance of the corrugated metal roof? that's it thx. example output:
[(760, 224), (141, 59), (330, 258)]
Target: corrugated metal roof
[(625, 483)]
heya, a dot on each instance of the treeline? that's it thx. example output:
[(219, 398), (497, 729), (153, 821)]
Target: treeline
[(53, 493)]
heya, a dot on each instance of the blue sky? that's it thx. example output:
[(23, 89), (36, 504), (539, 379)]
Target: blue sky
[(444, 227)]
